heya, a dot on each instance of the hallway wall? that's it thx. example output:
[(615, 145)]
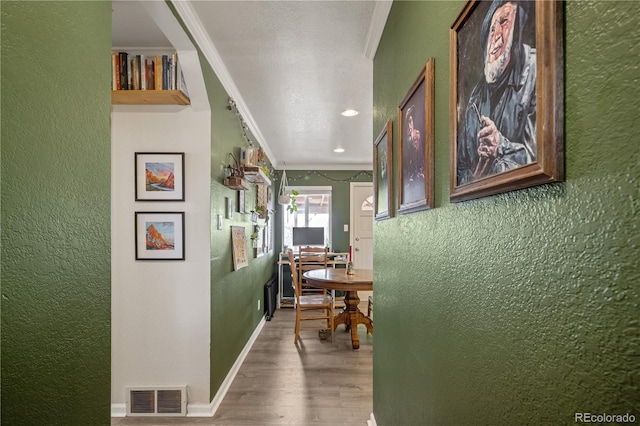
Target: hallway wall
[(517, 308), (55, 212)]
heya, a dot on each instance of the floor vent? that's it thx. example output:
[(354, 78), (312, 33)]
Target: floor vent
[(157, 401)]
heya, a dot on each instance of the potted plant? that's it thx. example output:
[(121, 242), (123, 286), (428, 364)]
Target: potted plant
[(293, 207)]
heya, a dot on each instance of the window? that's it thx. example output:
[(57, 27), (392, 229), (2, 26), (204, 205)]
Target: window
[(314, 209)]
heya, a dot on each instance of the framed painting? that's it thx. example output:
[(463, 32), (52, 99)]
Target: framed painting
[(159, 235), (416, 140), (506, 97), (382, 173), (159, 176), (239, 247)]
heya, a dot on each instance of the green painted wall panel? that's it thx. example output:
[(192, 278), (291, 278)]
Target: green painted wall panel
[(234, 294), (520, 308), (55, 212)]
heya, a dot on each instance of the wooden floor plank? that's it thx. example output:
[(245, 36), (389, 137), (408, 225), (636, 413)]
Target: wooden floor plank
[(317, 382)]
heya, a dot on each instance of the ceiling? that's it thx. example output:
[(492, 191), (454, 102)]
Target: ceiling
[(291, 67)]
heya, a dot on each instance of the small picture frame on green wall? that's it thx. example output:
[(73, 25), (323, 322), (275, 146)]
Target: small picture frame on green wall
[(382, 173)]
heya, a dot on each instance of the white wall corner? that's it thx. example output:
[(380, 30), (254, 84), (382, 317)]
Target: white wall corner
[(371, 421)]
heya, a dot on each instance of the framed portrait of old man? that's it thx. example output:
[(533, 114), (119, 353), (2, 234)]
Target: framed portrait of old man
[(506, 97), (416, 142)]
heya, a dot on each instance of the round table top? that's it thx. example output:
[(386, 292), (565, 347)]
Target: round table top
[(337, 279)]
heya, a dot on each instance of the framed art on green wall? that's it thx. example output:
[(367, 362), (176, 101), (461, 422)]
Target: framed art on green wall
[(506, 97), (382, 173), (159, 235), (416, 140)]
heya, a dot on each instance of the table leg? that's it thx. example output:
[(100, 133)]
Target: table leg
[(351, 316)]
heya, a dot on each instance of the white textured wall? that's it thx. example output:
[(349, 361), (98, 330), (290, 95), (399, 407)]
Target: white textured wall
[(160, 309)]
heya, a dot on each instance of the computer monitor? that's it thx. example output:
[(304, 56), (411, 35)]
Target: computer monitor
[(308, 236)]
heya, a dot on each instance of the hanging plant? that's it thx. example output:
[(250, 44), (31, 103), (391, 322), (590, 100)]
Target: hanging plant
[(283, 197)]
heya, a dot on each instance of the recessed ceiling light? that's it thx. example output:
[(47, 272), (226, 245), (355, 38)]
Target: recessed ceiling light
[(338, 150), (350, 113)]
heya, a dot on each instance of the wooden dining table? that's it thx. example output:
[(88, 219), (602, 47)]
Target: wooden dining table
[(338, 279)]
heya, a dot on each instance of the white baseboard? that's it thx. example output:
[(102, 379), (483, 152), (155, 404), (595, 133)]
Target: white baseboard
[(118, 410), (372, 421), (208, 410), (226, 384)]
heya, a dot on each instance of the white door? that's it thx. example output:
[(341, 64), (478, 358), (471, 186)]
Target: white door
[(361, 235)]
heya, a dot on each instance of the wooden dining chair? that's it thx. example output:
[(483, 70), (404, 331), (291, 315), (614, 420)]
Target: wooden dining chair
[(310, 258), (310, 307)]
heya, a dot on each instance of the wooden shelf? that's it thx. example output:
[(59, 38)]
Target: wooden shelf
[(255, 174), (236, 183), (149, 97)]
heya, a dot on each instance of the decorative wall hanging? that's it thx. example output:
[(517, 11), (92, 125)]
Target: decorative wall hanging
[(239, 242), (159, 176), (382, 173), (159, 235), (506, 97), (415, 140)]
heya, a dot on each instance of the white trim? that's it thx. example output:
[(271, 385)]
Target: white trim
[(359, 166), (195, 27), (118, 410), (376, 27), (372, 421), (226, 384)]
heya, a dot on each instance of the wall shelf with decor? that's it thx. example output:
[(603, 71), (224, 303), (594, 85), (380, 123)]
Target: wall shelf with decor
[(236, 183), (255, 174)]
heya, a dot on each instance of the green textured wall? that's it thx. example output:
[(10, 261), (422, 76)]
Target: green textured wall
[(340, 181), (55, 213), (234, 294), (520, 308)]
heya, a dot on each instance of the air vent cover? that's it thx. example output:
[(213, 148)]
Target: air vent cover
[(157, 401)]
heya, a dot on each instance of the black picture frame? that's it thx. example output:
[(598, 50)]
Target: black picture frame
[(159, 236), (159, 176)]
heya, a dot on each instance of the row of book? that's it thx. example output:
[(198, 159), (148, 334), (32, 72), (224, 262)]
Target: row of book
[(146, 72)]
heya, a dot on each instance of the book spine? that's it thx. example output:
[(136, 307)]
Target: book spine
[(165, 72), (143, 72), (114, 72), (123, 70), (157, 61)]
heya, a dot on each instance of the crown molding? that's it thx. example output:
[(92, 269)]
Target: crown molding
[(376, 27), (202, 39)]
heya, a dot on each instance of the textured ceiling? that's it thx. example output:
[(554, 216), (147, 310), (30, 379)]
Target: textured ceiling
[(293, 65)]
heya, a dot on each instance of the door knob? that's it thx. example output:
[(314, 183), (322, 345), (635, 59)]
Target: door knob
[(357, 249), (357, 238)]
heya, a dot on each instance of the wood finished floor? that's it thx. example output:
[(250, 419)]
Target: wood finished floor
[(315, 383)]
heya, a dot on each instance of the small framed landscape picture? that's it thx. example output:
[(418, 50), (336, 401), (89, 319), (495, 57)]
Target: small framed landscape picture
[(159, 176), (159, 235)]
